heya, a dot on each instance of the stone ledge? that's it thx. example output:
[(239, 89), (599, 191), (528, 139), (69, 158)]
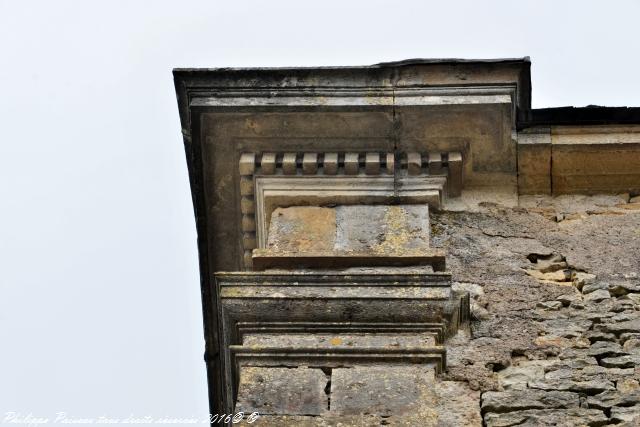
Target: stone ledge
[(264, 259)]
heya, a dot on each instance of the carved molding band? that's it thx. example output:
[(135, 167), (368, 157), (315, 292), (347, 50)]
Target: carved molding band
[(333, 320), (370, 163)]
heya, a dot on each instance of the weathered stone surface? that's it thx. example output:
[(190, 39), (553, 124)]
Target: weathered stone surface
[(570, 342), (348, 235), (288, 391), (570, 298), (348, 340), (632, 345), (612, 398), (625, 336), (628, 385), (303, 229), (315, 421), (623, 288), (595, 336), (588, 387), (383, 390), (626, 414), (454, 405), (566, 327), (583, 164), (382, 229), (545, 417), (552, 276), (534, 163), (597, 296), (626, 361), (588, 373), (351, 228), (581, 279), (457, 405), (518, 400), (550, 305), (594, 286), (605, 349), (620, 327), (517, 377)]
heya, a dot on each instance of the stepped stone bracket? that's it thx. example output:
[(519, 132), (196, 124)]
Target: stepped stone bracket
[(269, 180)]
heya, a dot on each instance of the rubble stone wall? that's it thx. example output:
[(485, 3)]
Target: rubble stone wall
[(555, 331)]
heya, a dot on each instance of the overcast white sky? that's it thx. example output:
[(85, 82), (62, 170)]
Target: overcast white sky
[(99, 291)]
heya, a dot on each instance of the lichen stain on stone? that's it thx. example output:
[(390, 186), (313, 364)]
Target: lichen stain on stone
[(252, 125), (306, 229), (399, 232)]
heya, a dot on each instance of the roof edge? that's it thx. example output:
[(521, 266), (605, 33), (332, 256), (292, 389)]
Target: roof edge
[(591, 115), (400, 63)]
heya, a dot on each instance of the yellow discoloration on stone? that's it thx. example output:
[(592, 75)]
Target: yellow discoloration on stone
[(303, 229), (630, 206), (336, 341), (561, 342), (398, 233), (562, 276)]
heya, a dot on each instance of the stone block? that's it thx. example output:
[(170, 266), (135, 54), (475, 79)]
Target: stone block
[(391, 163), (534, 163), (248, 223), (268, 164), (247, 206), (456, 172), (595, 160), (384, 390), (289, 163), (246, 186), (290, 391), (574, 417), (351, 163), (330, 163), (247, 164), (302, 229), (626, 361), (457, 404), (611, 398), (414, 163), (629, 415), (348, 235), (372, 163), (323, 190), (435, 163), (517, 400), (310, 163), (516, 377), (324, 340), (376, 229)]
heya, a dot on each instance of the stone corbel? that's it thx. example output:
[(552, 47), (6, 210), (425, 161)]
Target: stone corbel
[(328, 320)]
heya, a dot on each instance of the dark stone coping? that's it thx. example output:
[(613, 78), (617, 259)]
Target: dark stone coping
[(584, 116)]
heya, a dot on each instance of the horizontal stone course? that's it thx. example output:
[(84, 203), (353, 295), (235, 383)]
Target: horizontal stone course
[(575, 417), (518, 400)]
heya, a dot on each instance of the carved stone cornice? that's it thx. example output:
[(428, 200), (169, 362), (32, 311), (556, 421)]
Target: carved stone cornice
[(270, 180), (380, 132)]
